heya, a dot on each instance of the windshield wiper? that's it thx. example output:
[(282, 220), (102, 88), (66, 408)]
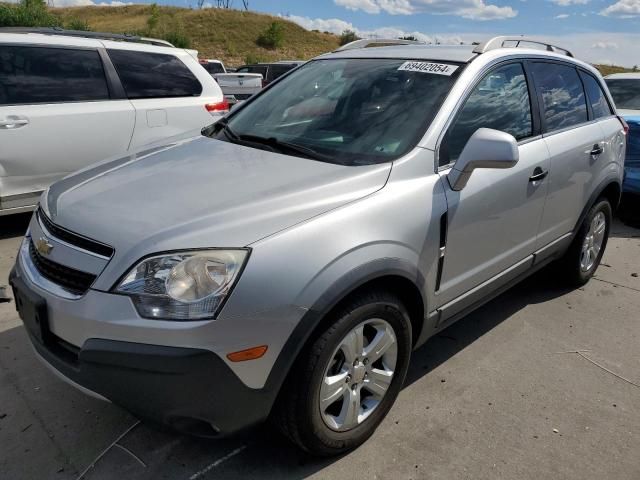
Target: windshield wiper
[(281, 146)]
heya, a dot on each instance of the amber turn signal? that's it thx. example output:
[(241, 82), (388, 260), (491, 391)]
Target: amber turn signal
[(248, 354)]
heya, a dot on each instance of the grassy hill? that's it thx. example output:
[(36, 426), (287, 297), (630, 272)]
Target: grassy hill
[(228, 35), (609, 69)]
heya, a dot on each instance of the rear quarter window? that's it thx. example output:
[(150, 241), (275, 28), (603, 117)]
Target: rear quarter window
[(595, 96), (31, 75), (154, 75)]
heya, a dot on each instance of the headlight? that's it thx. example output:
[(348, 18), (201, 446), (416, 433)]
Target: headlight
[(183, 285)]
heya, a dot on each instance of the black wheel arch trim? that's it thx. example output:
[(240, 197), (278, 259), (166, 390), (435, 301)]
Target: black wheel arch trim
[(339, 291), (597, 193)]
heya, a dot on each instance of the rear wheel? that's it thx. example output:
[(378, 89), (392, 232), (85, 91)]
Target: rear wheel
[(346, 383), (585, 253)]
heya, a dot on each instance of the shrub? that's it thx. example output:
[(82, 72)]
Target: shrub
[(348, 36), (28, 13), (78, 24), (165, 27), (177, 38), (250, 59), (154, 18), (272, 37)]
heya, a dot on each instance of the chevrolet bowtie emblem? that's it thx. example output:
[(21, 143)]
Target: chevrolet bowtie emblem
[(43, 246)]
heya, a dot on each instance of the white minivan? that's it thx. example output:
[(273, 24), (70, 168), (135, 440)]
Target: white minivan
[(69, 99)]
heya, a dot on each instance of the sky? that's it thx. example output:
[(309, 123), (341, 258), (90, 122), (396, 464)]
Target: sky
[(599, 31)]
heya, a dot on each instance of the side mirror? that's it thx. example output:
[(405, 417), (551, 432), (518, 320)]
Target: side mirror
[(487, 148)]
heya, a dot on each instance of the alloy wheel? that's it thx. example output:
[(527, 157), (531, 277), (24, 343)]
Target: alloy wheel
[(358, 375), (593, 242)]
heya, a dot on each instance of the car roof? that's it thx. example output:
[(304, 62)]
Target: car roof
[(490, 50), (77, 39), (626, 76), (452, 53)]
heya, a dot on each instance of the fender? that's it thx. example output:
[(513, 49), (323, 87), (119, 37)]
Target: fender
[(338, 291), (597, 192)]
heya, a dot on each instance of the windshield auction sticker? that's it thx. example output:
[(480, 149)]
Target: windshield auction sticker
[(428, 67)]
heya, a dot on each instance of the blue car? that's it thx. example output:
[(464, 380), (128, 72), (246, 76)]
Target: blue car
[(625, 89)]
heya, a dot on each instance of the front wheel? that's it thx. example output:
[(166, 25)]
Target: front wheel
[(585, 253), (346, 383)]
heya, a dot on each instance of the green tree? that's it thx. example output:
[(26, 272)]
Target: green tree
[(28, 13), (348, 36), (272, 37), (154, 18)]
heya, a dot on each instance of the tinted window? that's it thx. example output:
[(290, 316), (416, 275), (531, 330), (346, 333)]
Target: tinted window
[(563, 99), (625, 92), (500, 101), (213, 67), (50, 75), (261, 69), (348, 111), (276, 71), (596, 96), (153, 75)]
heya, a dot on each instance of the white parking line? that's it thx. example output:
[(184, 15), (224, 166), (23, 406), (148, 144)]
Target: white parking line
[(217, 463)]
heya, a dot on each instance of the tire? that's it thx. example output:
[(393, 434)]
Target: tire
[(325, 428), (575, 266)]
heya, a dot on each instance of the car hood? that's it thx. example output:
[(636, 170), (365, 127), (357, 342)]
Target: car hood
[(202, 192)]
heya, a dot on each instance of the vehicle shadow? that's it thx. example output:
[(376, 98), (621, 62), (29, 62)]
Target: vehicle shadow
[(14, 225), (542, 286), (629, 211), (258, 453)]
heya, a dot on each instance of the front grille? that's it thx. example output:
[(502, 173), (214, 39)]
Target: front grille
[(73, 238), (70, 279)]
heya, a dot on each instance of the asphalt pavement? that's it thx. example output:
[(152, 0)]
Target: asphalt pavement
[(541, 383)]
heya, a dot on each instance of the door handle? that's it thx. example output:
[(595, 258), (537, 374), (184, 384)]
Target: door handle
[(11, 123), (538, 174), (597, 150)]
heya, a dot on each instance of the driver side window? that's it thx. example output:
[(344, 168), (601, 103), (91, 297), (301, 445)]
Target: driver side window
[(500, 101)]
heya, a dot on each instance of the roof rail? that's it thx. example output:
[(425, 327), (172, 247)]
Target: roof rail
[(94, 35), (379, 42), (499, 42)]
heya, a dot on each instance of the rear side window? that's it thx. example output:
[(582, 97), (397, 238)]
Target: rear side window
[(262, 70), (500, 101), (154, 75), (213, 67), (276, 71), (563, 99), (31, 75), (596, 96)]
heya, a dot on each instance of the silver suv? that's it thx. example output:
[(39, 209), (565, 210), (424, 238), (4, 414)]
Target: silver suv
[(286, 262)]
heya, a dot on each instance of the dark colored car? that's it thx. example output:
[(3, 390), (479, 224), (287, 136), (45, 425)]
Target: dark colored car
[(269, 71)]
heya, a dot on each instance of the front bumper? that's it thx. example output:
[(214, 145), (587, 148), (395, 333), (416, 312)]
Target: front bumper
[(188, 389)]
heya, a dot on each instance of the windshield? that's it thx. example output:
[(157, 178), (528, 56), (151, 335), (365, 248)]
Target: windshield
[(626, 93), (346, 111)]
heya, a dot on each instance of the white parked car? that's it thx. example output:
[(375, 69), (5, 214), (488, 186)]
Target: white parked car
[(236, 87), (69, 99)]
